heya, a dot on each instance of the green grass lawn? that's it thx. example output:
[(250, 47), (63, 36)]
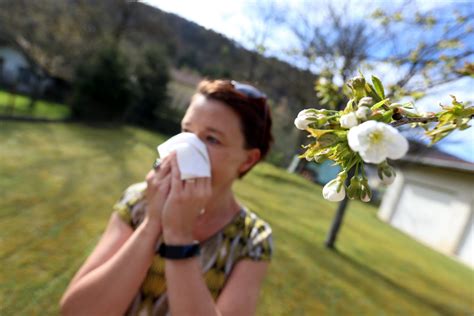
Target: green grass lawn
[(58, 183), (42, 109)]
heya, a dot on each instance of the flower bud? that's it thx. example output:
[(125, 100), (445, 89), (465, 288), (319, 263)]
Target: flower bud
[(363, 112), (386, 173), (348, 120), (365, 193), (304, 118), (334, 190), (354, 188), (357, 83), (359, 189), (365, 101), (321, 119)]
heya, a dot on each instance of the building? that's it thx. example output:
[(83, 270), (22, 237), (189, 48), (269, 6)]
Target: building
[(432, 200)]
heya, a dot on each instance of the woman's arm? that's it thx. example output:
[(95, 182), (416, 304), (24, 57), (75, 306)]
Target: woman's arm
[(109, 288), (188, 293), (119, 263), (242, 290)]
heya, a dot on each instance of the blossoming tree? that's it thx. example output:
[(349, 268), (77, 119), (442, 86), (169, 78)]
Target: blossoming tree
[(365, 132)]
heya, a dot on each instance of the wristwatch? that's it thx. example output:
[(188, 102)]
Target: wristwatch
[(179, 251)]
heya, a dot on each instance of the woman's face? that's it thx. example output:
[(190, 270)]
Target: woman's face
[(218, 126)]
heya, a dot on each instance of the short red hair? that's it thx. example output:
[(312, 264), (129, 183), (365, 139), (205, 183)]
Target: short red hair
[(254, 113)]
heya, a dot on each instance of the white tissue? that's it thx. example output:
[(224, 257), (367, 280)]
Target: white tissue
[(192, 155)]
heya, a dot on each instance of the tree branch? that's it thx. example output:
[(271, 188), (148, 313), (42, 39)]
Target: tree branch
[(408, 120)]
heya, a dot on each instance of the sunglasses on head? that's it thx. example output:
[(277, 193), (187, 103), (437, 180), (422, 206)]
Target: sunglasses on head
[(248, 90), (252, 92)]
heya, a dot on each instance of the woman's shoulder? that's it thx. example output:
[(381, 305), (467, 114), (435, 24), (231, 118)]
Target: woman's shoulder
[(255, 227), (256, 235), (131, 204)]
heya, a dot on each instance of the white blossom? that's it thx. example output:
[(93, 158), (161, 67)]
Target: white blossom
[(348, 120), (331, 193), (363, 113), (376, 141), (303, 119)]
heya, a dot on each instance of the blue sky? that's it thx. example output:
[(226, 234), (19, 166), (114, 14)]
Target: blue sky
[(231, 18)]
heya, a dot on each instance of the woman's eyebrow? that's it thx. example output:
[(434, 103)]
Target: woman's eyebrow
[(215, 130), (208, 128)]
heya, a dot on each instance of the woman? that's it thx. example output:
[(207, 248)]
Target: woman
[(221, 249)]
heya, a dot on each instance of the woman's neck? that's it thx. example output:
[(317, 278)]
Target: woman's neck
[(217, 213)]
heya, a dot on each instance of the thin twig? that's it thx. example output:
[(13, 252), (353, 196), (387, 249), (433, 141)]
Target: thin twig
[(408, 120)]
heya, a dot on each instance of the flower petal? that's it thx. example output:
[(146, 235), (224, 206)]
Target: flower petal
[(397, 146), (374, 154)]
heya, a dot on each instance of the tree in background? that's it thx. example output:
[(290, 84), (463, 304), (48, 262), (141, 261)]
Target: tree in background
[(151, 78), (102, 89), (265, 17), (417, 51)]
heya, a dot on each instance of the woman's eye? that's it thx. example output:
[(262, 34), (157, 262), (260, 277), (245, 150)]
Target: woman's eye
[(208, 138), (212, 140)]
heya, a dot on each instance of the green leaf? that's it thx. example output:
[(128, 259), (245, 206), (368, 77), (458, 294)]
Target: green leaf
[(379, 104), (378, 87), (318, 132), (370, 90)]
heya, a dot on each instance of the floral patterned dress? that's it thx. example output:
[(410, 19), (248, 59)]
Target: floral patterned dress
[(246, 236)]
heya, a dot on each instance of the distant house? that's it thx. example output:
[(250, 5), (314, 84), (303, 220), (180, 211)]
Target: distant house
[(432, 200), (20, 72)]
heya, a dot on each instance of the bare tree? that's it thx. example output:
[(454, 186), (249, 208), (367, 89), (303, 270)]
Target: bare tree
[(425, 49), (265, 18)]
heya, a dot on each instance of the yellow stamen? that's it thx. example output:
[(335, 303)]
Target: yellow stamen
[(376, 137)]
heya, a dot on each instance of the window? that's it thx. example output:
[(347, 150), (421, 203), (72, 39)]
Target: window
[(24, 75), (2, 62)]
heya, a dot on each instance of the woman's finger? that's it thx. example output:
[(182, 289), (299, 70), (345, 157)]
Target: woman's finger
[(176, 184), (162, 183), (200, 186), (165, 168)]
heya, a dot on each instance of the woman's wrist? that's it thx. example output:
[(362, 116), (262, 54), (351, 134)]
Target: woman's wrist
[(152, 227), (176, 237)]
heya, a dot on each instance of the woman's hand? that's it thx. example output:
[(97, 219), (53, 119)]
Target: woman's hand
[(158, 187), (183, 205)]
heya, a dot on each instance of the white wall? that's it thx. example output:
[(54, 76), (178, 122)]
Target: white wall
[(466, 247), (13, 61), (434, 206)]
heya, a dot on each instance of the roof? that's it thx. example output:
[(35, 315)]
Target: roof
[(26, 48), (431, 156)]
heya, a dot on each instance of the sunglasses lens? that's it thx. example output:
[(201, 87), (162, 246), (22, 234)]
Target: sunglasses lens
[(248, 90)]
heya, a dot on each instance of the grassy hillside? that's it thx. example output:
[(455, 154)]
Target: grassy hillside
[(42, 109), (58, 183)]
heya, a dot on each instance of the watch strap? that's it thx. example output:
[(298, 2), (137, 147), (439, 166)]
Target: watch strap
[(179, 251)]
